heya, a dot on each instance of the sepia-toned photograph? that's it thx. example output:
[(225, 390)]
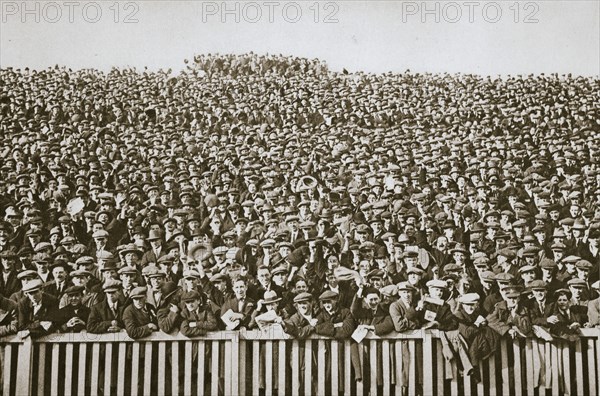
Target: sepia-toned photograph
[(300, 197)]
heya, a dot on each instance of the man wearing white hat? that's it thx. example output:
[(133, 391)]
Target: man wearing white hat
[(434, 312)]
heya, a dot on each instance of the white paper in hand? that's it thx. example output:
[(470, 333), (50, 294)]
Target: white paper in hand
[(359, 334), (230, 323)]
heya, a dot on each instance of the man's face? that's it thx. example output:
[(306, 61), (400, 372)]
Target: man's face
[(192, 305), (511, 302), (239, 288), (139, 302), (469, 308), (41, 266), (59, 274), (304, 307), (406, 296), (528, 276), (577, 292), (562, 301), (436, 292), (372, 300), (75, 299), (34, 296), (539, 294), (156, 282)]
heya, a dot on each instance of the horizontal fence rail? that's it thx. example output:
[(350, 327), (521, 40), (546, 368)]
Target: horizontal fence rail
[(271, 363)]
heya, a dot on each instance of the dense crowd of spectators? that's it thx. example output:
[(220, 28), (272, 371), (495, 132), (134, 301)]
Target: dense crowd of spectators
[(255, 191)]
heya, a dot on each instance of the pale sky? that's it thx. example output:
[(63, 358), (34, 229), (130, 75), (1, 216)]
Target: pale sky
[(372, 36)]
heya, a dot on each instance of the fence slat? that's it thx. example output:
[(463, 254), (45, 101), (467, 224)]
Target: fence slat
[(242, 367), (255, 367), (162, 358), (399, 367), (108, 369), (427, 357), (412, 376), (201, 359), (335, 373), (69, 369), (95, 369), (492, 376), (566, 354), (517, 367), (529, 366), (148, 369), (308, 367), (347, 368), (269, 368), (295, 359), (321, 369), (555, 363), (228, 361), (440, 366), (548, 361), (281, 370), (81, 375), (121, 359), (385, 366), (235, 363), (41, 385), (187, 376), (591, 366), (504, 362), (373, 366), (214, 389), (579, 366), (135, 367), (7, 367), (175, 368)]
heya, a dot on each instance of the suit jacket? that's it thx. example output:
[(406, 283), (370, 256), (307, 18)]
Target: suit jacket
[(339, 325), (381, 319), (136, 322), (101, 317), (28, 320), (537, 316), (594, 312), (8, 317), (502, 320), (298, 326), (66, 313), (247, 310), (195, 324), (404, 317), (12, 285)]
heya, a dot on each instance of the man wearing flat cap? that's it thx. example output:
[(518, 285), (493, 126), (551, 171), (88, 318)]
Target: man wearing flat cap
[(197, 318), (9, 283), (333, 321), (38, 312), (106, 316), (510, 317), (304, 322), (74, 316), (402, 311), (137, 319)]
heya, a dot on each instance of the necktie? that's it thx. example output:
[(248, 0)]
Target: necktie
[(113, 308), (241, 305)]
